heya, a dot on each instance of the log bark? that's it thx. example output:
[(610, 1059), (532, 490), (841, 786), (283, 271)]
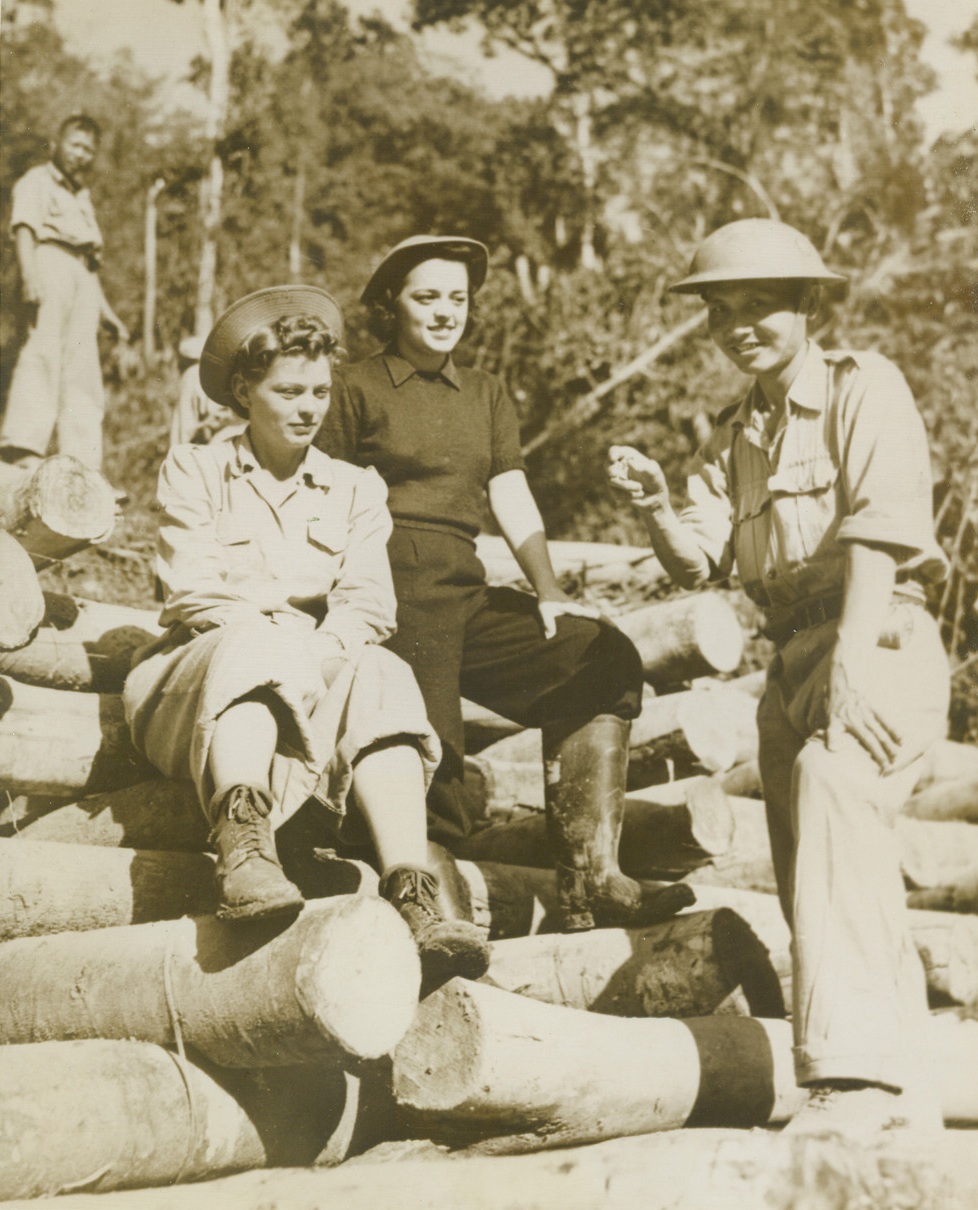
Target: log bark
[(688, 637), (57, 509), (81, 645), (156, 814), (677, 1170), (47, 887), (479, 1062), (947, 942), (656, 838), (104, 1115), (594, 562), (340, 982), (60, 743), (693, 966), (21, 600)]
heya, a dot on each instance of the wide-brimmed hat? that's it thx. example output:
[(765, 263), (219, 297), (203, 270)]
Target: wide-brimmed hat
[(247, 315), (402, 258), (754, 249)]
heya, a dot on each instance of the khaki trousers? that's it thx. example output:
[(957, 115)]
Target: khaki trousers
[(859, 992), (57, 382)]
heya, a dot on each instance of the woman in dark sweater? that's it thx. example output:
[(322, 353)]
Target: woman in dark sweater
[(446, 441)]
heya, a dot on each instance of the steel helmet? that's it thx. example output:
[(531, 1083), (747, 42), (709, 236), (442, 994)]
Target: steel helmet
[(754, 249)]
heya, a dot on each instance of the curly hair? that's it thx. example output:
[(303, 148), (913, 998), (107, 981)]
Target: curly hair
[(381, 313), (305, 334)]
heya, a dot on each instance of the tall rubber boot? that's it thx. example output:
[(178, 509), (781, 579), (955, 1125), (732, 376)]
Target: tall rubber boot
[(585, 766), (251, 881)]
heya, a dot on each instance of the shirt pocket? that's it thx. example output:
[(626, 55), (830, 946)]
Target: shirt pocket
[(239, 550), (331, 534), (805, 509)]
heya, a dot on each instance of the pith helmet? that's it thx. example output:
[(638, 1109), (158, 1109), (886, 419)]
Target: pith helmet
[(254, 311), (402, 258), (753, 249)]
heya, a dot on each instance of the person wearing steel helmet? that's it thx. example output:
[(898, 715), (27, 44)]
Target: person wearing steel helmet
[(445, 438), (816, 487)]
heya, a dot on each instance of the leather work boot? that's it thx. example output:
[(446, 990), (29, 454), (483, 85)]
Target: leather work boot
[(585, 767), (249, 875), (849, 1108), (447, 947)]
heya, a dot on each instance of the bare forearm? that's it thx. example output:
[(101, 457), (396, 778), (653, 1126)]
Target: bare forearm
[(870, 578), (674, 546), (26, 247), (521, 525)]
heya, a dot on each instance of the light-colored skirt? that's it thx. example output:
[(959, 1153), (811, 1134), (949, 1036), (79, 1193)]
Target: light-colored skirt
[(174, 697)]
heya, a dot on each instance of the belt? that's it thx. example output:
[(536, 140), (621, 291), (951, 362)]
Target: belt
[(810, 613), (818, 610)]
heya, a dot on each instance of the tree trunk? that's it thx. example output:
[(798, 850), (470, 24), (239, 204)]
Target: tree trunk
[(47, 887), (947, 942), (692, 966), (480, 1063), (57, 509), (102, 1115), (149, 281), (217, 34), (21, 600), (340, 982), (688, 637), (82, 645), (56, 742), (677, 1170), (157, 814), (655, 838)]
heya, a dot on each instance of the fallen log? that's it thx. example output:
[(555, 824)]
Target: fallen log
[(947, 942), (340, 982), (479, 1062), (677, 1170), (56, 742), (21, 600), (946, 762), (688, 637), (107, 1115), (656, 838), (81, 645), (158, 814), (697, 964), (949, 800), (484, 727), (46, 887), (57, 509), (593, 562)]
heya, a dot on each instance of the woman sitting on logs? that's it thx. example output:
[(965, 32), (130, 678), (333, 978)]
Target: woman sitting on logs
[(270, 685), (446, 438)]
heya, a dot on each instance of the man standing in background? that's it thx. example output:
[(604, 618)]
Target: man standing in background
[(57, 382)]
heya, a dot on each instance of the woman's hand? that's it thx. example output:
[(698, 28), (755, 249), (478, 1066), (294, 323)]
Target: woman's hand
[(849, 711), (641, 478), (555, 604)]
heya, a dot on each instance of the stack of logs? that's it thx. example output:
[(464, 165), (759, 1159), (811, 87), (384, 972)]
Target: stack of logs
[(144, 1042)]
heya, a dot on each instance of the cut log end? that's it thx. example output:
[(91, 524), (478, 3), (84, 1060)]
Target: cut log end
[(73, 500), (718, 632), (437, 1061), (359, 943)]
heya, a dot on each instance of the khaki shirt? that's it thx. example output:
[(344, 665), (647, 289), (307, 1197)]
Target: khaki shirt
[(317, 560), (45, 202), (849, 462)]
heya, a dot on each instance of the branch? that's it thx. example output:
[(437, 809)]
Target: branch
[(589, 405), (750, 181)]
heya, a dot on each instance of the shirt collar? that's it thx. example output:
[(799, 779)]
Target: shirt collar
[(400, 370), (806, 392), (316, 468), (59, 177)]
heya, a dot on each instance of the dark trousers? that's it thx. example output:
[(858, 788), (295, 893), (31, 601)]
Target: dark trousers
[(465, 639)]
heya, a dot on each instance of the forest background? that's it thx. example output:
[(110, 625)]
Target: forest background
[(666, 118)]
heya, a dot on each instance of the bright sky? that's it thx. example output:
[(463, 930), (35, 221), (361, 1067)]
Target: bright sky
[(164, 36)]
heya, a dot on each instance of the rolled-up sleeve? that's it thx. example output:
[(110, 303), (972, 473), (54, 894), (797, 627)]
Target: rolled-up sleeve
[(708, 516), (362, 606), (189, 562), (886, 468), (30, 202)]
